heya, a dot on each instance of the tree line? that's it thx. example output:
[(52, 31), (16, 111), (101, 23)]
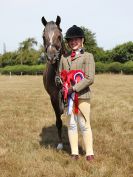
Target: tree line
[(28, 55)]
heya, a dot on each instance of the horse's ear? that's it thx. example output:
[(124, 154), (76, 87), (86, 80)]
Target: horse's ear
[(58, 20), (44, 21)]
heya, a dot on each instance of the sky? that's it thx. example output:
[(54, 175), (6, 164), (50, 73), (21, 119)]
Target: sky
[(110, 20)]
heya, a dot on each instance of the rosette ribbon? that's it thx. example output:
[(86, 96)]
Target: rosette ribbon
[(71, 78)]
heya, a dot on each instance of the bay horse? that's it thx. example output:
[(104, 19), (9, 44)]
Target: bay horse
[(53, 46)]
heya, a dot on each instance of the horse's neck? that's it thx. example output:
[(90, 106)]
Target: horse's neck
[(51, 72), (49, 79)]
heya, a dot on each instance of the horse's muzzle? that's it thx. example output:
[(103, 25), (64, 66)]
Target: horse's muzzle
[(51, 60)]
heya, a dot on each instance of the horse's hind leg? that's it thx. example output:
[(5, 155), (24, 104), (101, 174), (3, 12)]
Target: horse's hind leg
[(58, 122)]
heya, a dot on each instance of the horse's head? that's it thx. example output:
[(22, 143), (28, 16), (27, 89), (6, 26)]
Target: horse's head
[(52, 39)]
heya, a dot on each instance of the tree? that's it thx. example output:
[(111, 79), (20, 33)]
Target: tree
[(100, 54), (90, 41), (92, 47), (26, 51), (122, 53), (8, 58), (27, 44)]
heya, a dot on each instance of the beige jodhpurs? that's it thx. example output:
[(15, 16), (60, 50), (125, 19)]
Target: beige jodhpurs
[(83, 120)]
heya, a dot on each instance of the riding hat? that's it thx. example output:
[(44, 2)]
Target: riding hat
[(74, 32)]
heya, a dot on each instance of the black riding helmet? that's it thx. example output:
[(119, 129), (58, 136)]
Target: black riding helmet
[(74, 32)]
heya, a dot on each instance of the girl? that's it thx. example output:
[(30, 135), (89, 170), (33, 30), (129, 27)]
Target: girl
[(84, 61)]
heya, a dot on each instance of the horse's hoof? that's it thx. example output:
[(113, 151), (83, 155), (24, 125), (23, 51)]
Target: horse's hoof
[(60, 146)]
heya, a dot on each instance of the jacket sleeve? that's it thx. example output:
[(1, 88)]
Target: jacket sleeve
[(89, 70)]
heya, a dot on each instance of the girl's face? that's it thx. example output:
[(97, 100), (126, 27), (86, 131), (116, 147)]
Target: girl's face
[(75, 43)]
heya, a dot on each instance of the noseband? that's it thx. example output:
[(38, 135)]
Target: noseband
[(58, 53)]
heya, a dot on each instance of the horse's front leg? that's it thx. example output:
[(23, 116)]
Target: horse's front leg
[(59, 128), (58, 122)]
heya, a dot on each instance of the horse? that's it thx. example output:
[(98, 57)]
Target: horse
[(54, 47)]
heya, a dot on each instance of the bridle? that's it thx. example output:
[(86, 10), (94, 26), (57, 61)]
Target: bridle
[(57, 59), (53, 59), (57, 55)]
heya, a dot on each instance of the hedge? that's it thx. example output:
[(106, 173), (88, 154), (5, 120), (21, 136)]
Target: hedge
[(115, 67), (128, 68), (23, 69), (101, 67)]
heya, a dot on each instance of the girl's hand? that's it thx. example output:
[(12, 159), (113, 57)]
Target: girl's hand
[(70, 90)]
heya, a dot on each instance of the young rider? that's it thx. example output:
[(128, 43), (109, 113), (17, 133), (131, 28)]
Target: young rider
[(79, 60)]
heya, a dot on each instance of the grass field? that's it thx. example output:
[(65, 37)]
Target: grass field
[(28, 135)]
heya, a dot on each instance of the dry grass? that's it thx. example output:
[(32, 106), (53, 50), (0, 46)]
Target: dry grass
[(28, 134)]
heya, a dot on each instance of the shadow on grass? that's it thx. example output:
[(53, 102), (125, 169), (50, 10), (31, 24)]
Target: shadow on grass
[(49, 138)]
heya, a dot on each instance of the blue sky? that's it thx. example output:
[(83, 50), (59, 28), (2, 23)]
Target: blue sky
[(111, 20)]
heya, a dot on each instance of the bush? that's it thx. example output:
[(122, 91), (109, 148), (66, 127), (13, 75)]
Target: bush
[(115, 67), (24, 69), (101, 67), (122, 53), (128, 68)]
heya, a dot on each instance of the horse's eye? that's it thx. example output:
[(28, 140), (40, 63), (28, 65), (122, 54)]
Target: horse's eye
[(59, 38), (44, 39)]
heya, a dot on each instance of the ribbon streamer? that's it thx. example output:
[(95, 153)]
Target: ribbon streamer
[(71, 78)]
